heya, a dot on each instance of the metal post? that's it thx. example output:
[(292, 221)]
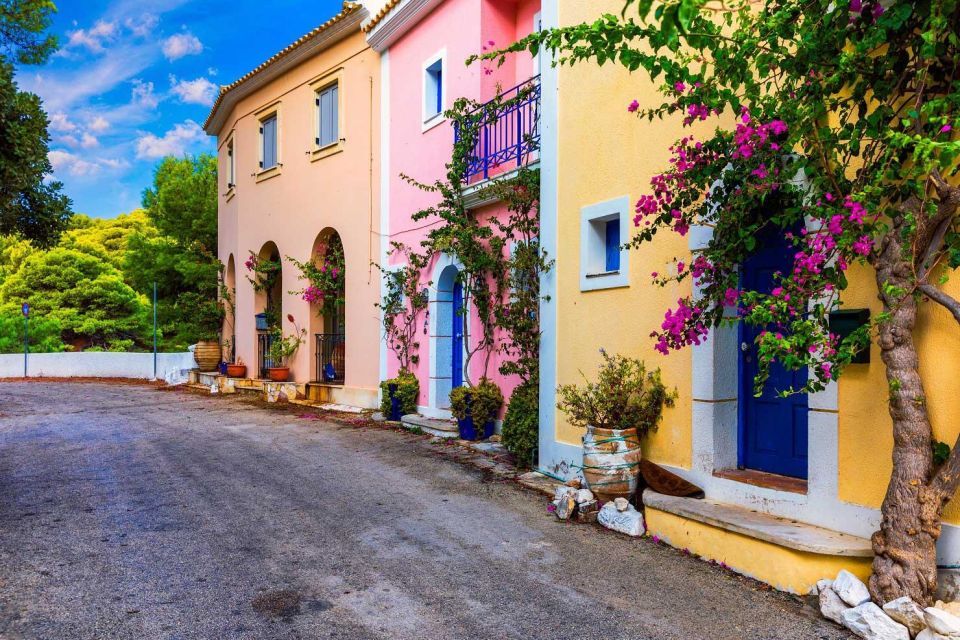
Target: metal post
[(26, 341), (154, 330)]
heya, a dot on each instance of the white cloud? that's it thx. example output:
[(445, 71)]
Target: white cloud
[(88, 141), (180, 45), (99, 124), (142, 94), (174, 142), (199, 91), (142, 26), (72, 164), (60, 121), (94, 38), (211, 71)]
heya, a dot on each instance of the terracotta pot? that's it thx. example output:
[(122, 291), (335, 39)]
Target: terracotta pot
[(279, 374), (207, 355), (611, 460), (237, 370)]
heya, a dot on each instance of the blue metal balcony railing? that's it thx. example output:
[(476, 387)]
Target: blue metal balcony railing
[(330, 354), (264, 341), (509, 136)]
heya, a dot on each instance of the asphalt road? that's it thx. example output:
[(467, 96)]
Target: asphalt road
[(133, 512)]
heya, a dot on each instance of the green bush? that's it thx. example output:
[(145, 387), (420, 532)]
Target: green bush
[(521, 425), (485, 403), (408, 390)]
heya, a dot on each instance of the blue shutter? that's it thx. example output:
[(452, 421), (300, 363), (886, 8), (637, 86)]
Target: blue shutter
[(329, 114), (613, 245), (270, 142), (439, 89)]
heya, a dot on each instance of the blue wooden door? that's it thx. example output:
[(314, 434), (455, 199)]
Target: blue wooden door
[(456, 359), (773, 430)]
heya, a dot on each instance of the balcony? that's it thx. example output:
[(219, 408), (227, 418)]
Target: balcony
[(507, 134)]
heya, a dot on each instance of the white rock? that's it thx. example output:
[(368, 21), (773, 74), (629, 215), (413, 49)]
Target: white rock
[(629, 522), (562, 492), (942, 622), (949, 607), (214, 388), (930, 634), (820, 586), (565, 507), (831, 606), (621, 504), (850, 589), (584, 496), (870, 623), (906, 612)]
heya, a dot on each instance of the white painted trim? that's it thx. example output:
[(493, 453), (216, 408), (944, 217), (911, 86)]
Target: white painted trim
[(384, 199), (556, 458), (537, 27), (431, 121), (398, 21), (591, 244)]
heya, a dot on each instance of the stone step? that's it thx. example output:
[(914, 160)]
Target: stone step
[(433, 426), (783, 532)]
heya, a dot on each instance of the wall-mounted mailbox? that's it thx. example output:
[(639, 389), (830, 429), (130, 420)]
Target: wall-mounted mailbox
[(844, 322)]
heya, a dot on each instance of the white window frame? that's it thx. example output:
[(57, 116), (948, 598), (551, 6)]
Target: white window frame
[(231, 163), (593, 219), (270, 111), (537, 28), (318, 115), (430, 119)]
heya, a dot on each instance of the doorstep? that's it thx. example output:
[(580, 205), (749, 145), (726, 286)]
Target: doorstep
[(433, 426), (785, 553)]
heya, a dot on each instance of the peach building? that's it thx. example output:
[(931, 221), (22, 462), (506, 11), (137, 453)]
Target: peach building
[(298, 140), (423, 47)]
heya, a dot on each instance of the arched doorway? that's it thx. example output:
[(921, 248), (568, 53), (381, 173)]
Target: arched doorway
[(266, 277), (326, 293), (228, 294), (447, 343)]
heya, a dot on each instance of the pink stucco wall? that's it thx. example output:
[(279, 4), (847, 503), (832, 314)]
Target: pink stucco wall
[(459, 28), (310, 197)]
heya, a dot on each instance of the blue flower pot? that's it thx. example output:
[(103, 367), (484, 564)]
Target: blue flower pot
[(261, 319), (395, 409), (468, 430)]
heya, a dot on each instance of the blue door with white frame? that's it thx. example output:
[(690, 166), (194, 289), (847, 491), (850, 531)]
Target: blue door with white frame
[(456, 360), (773, 430)]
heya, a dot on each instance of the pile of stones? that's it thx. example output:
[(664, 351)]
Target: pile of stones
[(846, 601), (572, 502)]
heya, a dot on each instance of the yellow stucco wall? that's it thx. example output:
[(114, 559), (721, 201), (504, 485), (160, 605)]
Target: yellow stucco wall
[(786, 569), (605, 153)]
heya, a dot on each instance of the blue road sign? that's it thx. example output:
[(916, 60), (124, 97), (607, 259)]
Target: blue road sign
[(26, 309)]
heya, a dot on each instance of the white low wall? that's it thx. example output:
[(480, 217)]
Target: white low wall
[(172, 367)]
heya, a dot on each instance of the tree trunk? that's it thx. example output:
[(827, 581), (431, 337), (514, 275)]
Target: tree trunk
[(905, 546)]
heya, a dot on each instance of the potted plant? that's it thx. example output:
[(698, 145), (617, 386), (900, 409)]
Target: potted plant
[(399, 395), (237, 369), (282, 349), (623, 405), (476, 408)]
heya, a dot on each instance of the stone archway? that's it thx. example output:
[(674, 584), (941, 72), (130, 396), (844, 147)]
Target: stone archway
[(268, 303), (327, 325)]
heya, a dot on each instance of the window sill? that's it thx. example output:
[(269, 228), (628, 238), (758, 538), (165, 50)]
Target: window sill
[(266, 174), (604, 274), (318, 153), (433, 121)]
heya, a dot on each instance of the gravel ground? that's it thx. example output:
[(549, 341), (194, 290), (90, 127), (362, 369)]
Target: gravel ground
[(135, 512)]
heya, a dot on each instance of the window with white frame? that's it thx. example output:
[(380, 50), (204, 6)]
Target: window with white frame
[(328, 115), (231, 165), (268, 142), (604, 261), (433, 88)]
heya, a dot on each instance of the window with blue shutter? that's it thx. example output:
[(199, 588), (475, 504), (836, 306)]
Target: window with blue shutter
[(268, 138), (328, 113), (612, 237), (433, 88)]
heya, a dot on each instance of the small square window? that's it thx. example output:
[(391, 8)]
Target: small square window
[(268, 142), (433, 90), (328, 116), (603, 259)]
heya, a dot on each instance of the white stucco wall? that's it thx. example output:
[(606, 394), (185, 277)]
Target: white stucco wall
[(172, 367)]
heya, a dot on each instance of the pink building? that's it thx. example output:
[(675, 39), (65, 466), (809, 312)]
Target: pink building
[(423, 46), (298, 139)]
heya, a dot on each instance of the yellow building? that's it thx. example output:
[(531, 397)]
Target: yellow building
[(785, 517)]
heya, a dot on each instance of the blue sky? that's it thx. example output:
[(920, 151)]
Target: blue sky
[(134, 80)]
